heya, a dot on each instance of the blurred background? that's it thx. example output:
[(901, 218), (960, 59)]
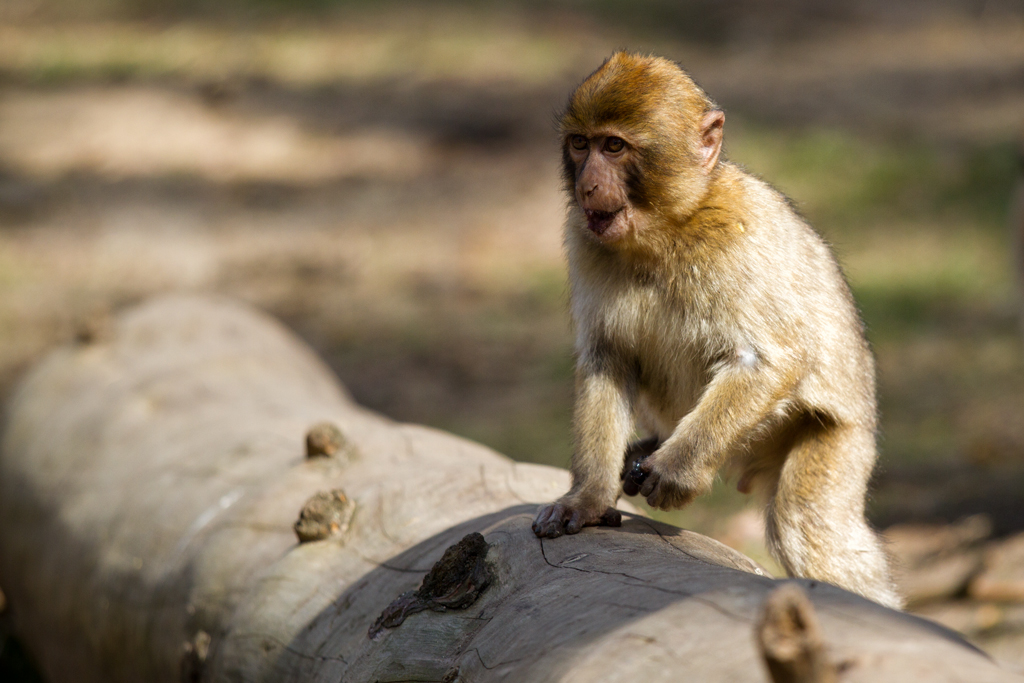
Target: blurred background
[(383, 177)]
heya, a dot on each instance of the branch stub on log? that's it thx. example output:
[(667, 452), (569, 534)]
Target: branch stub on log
[(324, 439), (327, 514), (790, 639)]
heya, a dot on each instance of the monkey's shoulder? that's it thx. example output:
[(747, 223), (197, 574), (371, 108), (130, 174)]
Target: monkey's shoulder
[(769, 239), (763, 209)]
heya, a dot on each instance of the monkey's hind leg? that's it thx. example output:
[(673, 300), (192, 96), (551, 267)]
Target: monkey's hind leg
[(815, 523), (636, 452)]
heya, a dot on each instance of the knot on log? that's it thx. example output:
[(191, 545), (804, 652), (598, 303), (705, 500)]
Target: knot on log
[(324, 439), (454, 582), (790, 639), (326, 514)]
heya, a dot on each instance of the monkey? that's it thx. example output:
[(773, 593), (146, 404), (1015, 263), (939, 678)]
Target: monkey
[(710, 315)]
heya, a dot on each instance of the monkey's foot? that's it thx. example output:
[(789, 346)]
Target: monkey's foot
[(632, 476), (560, 518)]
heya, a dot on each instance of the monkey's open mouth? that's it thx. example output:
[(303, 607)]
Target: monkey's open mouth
[(599, 221)]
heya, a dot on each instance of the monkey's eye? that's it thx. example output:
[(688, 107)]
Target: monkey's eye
[(578, 142), (614, 144)]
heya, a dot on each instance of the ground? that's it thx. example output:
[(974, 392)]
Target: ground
[(384, 178)]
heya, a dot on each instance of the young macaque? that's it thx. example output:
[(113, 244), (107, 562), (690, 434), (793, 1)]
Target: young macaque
[(709, 314)]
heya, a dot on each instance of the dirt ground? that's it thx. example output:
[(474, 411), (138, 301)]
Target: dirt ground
[(384, 178)]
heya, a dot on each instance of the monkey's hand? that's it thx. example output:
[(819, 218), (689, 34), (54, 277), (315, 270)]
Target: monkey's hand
[(569, 515), (666, 487)]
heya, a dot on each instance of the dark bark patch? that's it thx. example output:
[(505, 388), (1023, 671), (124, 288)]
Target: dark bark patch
[(453, 583)]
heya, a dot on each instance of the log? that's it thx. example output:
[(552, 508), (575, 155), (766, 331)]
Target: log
[(156, 476)]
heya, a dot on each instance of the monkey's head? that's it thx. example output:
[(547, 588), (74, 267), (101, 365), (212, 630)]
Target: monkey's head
[(640, 142)]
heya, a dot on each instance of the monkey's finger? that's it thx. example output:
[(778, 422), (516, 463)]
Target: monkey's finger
[(542, 516), (574, 523), (551, 530), (548, 520), (611, 517), (649, 485), (551, 527)]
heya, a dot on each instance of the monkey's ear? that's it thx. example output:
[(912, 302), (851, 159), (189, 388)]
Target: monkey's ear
[(711, 138)]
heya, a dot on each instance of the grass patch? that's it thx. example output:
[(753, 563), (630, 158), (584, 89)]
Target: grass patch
[(417, 45), (848, 185)]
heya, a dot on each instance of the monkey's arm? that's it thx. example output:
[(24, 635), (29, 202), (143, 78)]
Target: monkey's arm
[(601, 428), (735, 402)]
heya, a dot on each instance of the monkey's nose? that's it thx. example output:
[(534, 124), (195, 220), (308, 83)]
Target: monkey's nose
[(591, 191)]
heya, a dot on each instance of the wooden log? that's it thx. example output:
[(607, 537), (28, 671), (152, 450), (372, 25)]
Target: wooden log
[(153, 479)]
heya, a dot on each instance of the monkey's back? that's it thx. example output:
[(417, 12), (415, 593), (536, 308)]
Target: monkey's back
[(807, 306)]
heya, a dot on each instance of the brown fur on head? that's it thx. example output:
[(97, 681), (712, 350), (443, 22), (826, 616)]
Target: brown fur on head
[(653, 105)]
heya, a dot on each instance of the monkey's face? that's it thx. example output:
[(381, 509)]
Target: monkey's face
[(600, 164), (640, 141)]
